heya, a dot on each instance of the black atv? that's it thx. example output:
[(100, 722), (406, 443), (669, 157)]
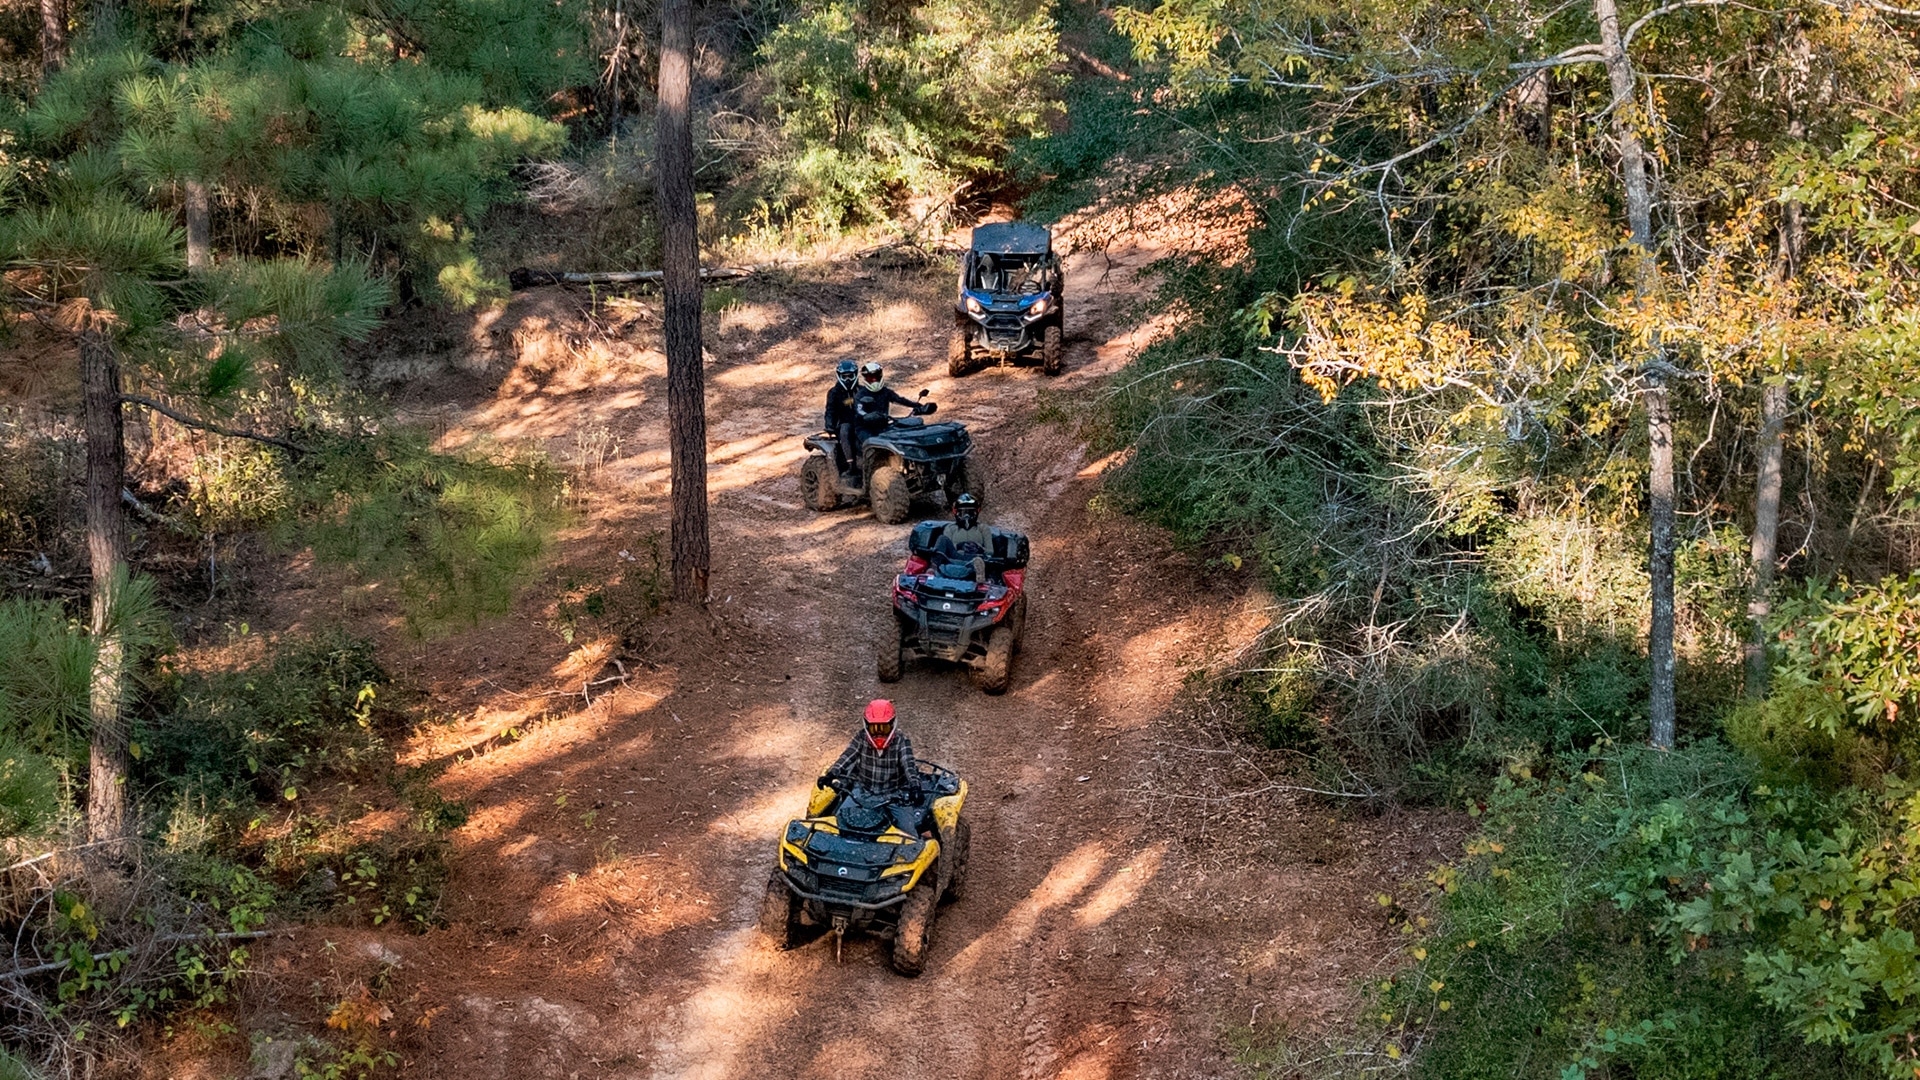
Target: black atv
[(1010, 298), (941, 613), (874, 862), (910, 460)]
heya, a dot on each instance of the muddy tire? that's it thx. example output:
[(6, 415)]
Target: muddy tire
[(995, 672), (914, 935), (817, 483), (892, 499), (959, 353), (1051, 360), (962, 850), (893, 659), (779, 913), (1017, 621), (968, 479)]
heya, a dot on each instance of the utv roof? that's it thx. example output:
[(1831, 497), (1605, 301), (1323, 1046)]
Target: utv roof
[(1013, 238)]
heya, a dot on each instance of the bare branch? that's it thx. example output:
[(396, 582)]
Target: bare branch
[(178, 417)]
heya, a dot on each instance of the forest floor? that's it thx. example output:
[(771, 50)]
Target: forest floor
[(1141, 898)]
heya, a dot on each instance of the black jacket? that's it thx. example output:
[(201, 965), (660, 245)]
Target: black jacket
[(840, 406), (870, 405)]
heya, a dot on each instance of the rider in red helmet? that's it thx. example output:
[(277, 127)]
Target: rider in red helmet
[(880, 757)]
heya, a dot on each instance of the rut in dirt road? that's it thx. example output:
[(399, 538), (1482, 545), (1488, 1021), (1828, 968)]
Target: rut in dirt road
[(603, 908)]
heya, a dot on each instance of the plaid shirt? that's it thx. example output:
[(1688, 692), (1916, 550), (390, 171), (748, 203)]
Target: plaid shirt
[(879, 771)]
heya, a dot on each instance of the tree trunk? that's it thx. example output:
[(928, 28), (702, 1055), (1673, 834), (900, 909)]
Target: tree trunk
[(1639, 195), (680, 290), (53, 35), (107, 817), (1766, 532), (1773, 396), (199, 227)]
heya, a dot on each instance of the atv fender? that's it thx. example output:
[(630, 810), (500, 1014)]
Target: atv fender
[(818, 802), (946, 809)]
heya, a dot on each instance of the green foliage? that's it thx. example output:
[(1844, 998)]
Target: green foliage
[(31, 796), (455, 533), (398, 881), (390, 130), (12, 1068), (1666, 915), (306, 712), (46, 664), (877, 106), (1850, 655)]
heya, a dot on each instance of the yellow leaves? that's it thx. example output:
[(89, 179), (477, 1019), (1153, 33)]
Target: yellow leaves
[(1349, 337), (1419, 954), (359, 1013)]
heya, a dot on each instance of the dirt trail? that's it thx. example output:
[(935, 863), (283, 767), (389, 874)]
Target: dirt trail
[(605, 890)]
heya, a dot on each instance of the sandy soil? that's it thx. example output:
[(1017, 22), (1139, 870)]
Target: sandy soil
[(601, 914)]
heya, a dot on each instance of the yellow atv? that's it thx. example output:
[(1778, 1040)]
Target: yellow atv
[(875, 862)]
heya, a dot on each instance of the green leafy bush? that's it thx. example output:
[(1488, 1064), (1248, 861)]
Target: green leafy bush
[(1850, 655), (1664, 914), (307, 711), (456, 533), (31, 796)]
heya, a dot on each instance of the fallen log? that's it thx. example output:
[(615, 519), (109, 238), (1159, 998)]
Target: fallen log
[(523, 278)]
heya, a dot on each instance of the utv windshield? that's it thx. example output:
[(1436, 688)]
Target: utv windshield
[(1017, 274)]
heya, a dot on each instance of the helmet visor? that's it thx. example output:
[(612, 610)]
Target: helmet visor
[(879, 732)]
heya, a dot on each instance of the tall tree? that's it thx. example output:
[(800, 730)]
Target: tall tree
[(107, 818), (680, 260), (53, 35), (1627, 124), (1770, 449)]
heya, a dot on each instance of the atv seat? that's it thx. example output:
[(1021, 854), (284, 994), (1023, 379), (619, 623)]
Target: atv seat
[(954, 580), (1010, 549), (861, 812)]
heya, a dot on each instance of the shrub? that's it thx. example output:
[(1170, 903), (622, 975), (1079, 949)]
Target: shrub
[(46, 661), (31, 795), (1850, 656), (456, 533), (307, 712), (1664, 914)]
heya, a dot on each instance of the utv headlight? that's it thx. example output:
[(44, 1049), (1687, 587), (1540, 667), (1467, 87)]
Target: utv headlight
[(1040, 307), (974, 307)]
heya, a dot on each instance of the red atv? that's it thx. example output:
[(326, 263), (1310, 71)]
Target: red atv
[(940, 612)]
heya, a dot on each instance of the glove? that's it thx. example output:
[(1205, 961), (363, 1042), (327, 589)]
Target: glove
[(824, 781)]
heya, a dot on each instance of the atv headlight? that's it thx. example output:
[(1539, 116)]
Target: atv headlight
[(974, 307)]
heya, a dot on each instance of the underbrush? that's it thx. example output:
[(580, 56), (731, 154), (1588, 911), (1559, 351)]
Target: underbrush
[(270, 789), (1469, 633)]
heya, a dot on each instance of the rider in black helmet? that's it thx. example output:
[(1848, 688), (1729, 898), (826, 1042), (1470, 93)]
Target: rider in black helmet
[(841, 417), (966, 539)]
